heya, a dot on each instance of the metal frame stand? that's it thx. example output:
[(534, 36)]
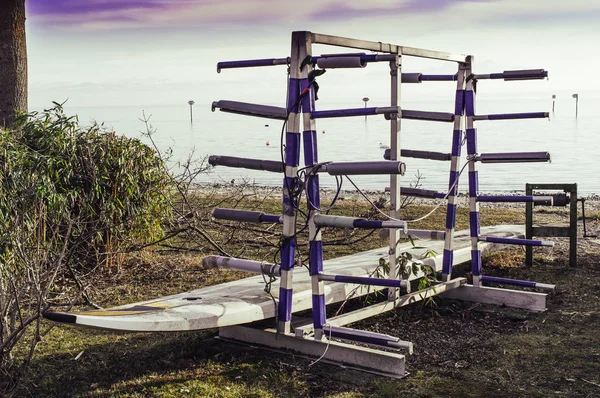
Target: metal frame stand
[(545, 231), (315, 337)]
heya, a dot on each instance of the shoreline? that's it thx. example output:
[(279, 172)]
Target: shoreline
[(592, 202)]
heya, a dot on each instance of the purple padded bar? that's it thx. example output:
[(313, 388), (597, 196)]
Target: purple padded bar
[(507, 75), (251, 63), (422, 193), (516, 241), (248, 109), (516, 282), (409, 153), (241, 264), (335, 60), (425, 115), (341, 62), (411, 77), (353, 112), (245, 216), (323, 220), (506, 116), (246, 163), (538, 200), (362, 336), (361, 280), (439, 78), (514, 157), (366, 168)]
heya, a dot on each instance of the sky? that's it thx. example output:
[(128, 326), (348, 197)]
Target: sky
[(162, 52)]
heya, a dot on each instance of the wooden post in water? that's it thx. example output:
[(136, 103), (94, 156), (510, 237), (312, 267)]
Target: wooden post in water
[(576, 96), (366, 99), (553, 100), (190, 103)]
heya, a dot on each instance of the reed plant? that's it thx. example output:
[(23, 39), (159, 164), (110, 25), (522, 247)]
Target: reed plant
[(72, 199)]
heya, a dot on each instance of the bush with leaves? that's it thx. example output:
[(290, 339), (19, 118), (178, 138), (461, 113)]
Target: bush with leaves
[(70, 197)]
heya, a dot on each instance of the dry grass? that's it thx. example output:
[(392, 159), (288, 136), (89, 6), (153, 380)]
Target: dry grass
[(461, 349)]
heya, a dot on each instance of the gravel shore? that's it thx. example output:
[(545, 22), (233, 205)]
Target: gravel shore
[(592, 202)]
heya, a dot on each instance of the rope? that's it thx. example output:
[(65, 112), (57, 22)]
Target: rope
[(418, 219), (326, 348)]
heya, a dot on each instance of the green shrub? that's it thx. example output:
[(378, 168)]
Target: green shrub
[(114, 189), (70, 197)]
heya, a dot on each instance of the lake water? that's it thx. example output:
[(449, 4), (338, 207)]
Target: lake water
[(572, 142)]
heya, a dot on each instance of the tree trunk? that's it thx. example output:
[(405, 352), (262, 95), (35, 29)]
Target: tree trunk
[(13, 60)]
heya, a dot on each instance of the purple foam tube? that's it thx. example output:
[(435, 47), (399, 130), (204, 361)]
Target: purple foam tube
[(517, 282), (541, 200), (439, 78), (252, 63), (511, 116), (241, 265), (516, 241), (409, 153), (248, 109), (245, 216), (246, 163), (366, 168), (514, 157), (363, 336), (361, 280), (428, 116)]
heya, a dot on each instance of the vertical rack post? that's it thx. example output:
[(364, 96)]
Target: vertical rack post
[(313, 199), (573, 226), (395, 82), (529, 225), (290, 185), (457, 136), (473, 176)]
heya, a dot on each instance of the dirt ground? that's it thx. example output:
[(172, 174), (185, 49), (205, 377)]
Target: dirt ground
[(462, 349)]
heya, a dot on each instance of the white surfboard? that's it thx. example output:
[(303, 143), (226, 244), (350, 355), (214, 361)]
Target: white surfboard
[(245, 300)]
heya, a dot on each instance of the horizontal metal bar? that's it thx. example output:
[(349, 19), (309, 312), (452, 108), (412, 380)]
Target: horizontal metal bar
[(420, 193), (366, 359), (507, 75), (365, 168), (515, 241), (543, 200), (517, 282), (252, 63), (514, 157), (354, 112), (319, 60), (248, 109), (241, 265), (554, 231), (442, 56), (318, 38), (246, 163), (425, 234), (245, 216), (428, 116), (403, 300), (409, 153), (419, 77), (323, 220), (506, 116), (361, 280), (363, 336)]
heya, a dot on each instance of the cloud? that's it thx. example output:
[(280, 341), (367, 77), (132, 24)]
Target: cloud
[(420, 15)]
